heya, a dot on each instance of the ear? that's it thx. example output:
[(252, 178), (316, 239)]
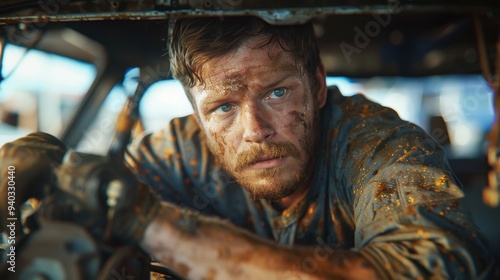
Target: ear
[(320, 79)]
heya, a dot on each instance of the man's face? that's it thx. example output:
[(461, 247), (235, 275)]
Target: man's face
[(260, 118)]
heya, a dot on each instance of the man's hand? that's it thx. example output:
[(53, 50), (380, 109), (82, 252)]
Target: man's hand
[(103, 197), (32, 157)]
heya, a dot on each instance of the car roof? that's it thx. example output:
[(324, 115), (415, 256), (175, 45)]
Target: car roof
[(399, 38)]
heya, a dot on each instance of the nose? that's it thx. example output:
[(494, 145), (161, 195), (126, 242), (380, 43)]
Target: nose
[(256, 125)]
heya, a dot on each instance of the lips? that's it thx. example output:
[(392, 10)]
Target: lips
[(267, 162)]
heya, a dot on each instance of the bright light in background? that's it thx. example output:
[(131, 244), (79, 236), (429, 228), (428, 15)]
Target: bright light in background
[(53, 82), (345, 85), (397, 93), (162, 102), (463, 134), (467, 107), (98, 135), (41, 72), (465, 102)]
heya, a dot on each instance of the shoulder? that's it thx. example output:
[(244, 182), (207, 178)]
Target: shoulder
[(356, 108), (173, 152), (179, 133), (363, 137), (356, 118)]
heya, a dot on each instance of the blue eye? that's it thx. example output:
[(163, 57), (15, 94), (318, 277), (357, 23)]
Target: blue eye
[(225, 108), (278, 93)]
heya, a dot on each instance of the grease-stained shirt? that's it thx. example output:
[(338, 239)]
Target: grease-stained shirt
[(381, 187)]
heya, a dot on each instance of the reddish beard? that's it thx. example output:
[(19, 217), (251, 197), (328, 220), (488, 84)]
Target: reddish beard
[(279, 187), (269, 150)]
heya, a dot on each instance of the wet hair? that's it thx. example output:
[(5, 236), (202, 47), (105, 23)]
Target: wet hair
[(194, 41)]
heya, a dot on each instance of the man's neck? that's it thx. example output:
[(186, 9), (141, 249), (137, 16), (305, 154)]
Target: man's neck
[(299, 194)]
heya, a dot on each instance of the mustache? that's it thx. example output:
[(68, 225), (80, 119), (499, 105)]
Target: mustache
[(272, 150)]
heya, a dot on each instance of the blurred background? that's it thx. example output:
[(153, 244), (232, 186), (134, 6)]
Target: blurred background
[(68, 68), (41, 91)]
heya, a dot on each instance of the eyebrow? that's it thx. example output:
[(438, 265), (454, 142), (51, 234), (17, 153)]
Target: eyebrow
[(211, 100), (277, 81), (233, 80)]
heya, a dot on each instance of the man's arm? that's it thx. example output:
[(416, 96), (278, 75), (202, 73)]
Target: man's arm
[(201, 247)]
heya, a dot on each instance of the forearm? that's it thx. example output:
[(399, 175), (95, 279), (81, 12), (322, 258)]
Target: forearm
[(198, 247)]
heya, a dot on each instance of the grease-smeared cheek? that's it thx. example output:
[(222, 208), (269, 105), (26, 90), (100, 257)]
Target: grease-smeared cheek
[(299, 127), (220, 140), (297, 122)]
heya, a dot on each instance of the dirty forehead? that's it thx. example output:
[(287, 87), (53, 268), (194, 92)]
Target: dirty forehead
[(249, 67)]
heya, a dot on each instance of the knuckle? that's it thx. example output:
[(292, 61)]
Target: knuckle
[(6, 149)]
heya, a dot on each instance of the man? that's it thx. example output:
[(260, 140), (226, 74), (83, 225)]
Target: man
[(309, 184)]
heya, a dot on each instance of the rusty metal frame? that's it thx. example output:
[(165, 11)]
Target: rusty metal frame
[(275, 12)]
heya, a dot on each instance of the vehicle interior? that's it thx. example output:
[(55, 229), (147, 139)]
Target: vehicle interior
[(76, 68)]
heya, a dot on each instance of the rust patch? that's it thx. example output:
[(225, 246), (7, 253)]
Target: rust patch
[(182, 269), (381, 189), (193, 162), (224, 252), (211, 274), (410, 210), (168, 153)]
